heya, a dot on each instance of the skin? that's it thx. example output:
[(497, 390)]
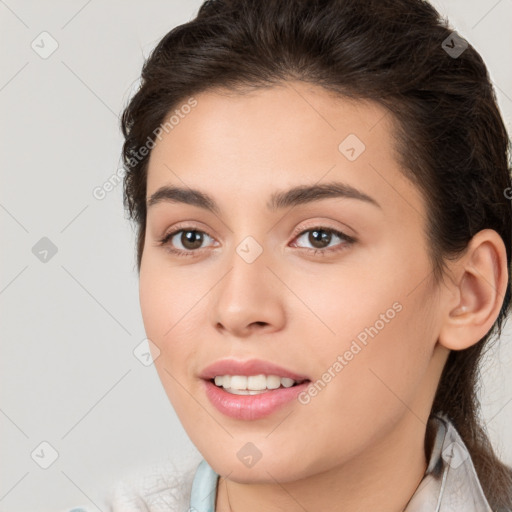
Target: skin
[(359, 444)]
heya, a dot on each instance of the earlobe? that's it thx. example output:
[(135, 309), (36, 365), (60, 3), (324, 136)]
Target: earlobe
[(476, 292)]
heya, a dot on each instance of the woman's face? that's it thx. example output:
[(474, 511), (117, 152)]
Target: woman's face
[(334, 288)]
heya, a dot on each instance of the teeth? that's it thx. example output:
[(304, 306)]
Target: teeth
[(243, 391), (287, 383), (239, 382), (273, 382), (253, 384)]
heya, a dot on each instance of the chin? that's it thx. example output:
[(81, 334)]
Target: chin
[(262, 472)]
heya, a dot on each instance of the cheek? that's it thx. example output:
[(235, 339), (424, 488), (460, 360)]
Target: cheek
[(172, 309), (164, 308), (373, 334), (378, 357), (167, 299), (156, 305), (376, 383)]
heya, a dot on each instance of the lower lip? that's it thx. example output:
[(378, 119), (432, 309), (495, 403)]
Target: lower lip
[(251, 407)]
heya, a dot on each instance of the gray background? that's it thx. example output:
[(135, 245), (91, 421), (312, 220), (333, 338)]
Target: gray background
[(69, 325)]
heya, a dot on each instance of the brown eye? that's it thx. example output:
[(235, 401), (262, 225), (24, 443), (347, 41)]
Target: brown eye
[(185, 241), (191, 239), (320, 239)]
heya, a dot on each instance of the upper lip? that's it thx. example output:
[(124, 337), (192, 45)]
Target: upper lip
[(248, 367)]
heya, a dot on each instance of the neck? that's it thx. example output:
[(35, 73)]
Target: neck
[(382, 478)]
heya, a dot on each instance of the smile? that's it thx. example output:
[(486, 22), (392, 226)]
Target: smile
[(252, 384), (250, 389)]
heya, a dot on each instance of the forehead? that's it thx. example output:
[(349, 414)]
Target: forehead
[(271, 138), (287, 112)]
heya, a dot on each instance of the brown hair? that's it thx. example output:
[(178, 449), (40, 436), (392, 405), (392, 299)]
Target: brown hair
[(450, 137)]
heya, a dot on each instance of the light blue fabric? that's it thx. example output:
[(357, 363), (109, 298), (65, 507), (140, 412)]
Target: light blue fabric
[(204, 489)]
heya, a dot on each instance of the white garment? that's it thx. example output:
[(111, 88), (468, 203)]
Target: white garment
[(450, 483)]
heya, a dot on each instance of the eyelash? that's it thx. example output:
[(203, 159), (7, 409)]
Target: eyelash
[(322, 252)]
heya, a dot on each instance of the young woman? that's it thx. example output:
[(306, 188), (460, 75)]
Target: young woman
[(321, 190)]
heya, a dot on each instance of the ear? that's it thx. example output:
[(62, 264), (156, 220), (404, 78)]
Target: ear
[(475, 292)]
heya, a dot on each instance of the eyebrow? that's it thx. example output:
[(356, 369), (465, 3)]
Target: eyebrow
[(301, 194)]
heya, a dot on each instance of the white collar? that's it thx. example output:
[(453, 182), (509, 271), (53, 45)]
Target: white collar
[(450, 483)]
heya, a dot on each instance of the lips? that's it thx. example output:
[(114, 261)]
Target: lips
[(250, 406)]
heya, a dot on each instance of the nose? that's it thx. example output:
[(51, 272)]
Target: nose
[(249, 298)]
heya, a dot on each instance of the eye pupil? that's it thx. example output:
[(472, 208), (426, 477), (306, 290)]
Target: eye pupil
[(321, 237), (191, 239)]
